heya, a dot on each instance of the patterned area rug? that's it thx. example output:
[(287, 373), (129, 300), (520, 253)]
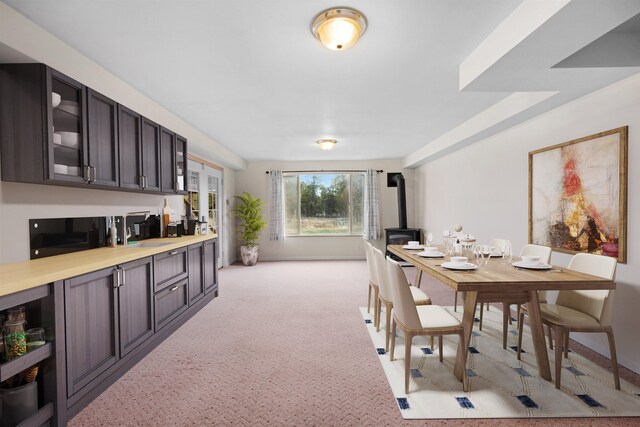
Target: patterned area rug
[(500, 385)]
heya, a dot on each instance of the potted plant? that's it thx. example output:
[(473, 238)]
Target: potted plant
[(249, 210)]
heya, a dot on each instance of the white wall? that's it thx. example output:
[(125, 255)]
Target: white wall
[(254, 180), (484, 187)]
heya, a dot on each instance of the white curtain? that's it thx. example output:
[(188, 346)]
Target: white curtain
[(276, 206), (372, 206)]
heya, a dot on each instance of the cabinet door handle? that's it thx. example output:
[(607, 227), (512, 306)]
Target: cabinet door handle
[(173, 253), (146, 182), (118, 280), (124, 277), (95, 173), (87, 173), (173, 289)]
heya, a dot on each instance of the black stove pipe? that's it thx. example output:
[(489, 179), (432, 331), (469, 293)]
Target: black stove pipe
[(402, 201)]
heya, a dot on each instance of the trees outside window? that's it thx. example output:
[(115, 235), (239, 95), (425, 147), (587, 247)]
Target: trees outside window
[(324, 203)]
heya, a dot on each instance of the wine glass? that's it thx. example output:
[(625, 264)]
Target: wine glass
[(477, 253), (486, 253), (429, 238), (506, 251)]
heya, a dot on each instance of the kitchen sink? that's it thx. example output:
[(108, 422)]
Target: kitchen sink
[(147, 244)]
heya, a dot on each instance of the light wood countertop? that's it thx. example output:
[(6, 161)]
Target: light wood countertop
[(30, 274)]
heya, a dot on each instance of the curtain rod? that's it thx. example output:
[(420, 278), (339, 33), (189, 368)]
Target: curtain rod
[(330, 170)]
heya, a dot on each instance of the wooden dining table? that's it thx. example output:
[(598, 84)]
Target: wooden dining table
[(499, 281)]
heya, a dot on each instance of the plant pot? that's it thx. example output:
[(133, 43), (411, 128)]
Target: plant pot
[(249, 254)]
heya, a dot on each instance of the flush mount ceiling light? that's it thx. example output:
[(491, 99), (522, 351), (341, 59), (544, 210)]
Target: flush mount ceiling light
[(327, 144), (339, 28)]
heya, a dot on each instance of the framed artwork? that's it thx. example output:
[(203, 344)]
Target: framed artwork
[(578, 195)]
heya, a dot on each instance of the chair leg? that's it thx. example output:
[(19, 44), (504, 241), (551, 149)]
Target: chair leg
[(520, 328), (378, 313), (518, 310), (387, 325), (550, 337), (455, 301), (393, 338), (559, 339), (369, 300), (408, 337), (507, 308), (481, 312), (566, 343), (439, 346), (506, 317), (614, 358)]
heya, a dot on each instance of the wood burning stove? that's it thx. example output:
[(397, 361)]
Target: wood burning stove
[(401, 235)]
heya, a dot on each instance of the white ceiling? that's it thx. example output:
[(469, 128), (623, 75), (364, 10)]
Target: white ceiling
[(250, 74)]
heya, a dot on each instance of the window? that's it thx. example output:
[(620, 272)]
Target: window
[(323, 203)]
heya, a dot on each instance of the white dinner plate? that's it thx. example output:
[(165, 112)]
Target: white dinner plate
[(430, 254), (537, 266), (452, 266), (413, 248)]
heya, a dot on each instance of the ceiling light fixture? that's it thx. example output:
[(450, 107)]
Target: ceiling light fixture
[(327, 143), (339, 28)]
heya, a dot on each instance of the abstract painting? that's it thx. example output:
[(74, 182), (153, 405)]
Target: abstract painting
[(578, 195)]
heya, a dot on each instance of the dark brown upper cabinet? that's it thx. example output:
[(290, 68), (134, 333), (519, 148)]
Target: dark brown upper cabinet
[(42, 126), (129, 132), (168, 160), (54, 130), (151, 179), (102, 118)]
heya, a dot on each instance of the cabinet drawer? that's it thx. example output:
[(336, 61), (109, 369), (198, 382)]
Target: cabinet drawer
[(169, 267), (170, 302)]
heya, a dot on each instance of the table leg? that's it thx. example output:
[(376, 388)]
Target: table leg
[(537, 333), (418, 278), (470, 299)]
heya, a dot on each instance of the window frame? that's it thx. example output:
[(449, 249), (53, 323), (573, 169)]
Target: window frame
[(297, 174)]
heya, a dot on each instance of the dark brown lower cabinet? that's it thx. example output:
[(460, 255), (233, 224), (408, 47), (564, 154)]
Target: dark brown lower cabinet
[(209, 266), (113, 317), (91, 327), (196, 273), (108, 313), (135, 304), (170, 267), (170, 302)]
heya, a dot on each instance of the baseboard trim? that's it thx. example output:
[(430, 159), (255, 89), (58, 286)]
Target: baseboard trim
[(315, 258)]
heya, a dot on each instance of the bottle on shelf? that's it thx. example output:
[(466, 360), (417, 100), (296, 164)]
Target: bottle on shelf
[(166, 217)]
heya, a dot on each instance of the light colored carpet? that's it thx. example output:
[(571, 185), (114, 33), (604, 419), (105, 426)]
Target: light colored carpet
[(500, 385), (283, 345)]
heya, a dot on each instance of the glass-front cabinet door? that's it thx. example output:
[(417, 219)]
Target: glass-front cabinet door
[(181, 164), (67, 136)]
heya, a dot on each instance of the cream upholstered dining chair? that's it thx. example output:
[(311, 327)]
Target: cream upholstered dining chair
[(384, 295), (373, 282), (582, 310), (429, 320)]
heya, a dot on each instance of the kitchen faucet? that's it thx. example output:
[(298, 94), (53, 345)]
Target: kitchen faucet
[(126, 231)]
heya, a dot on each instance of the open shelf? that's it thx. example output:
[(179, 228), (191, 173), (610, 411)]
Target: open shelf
[(39, 418), (15, 366)]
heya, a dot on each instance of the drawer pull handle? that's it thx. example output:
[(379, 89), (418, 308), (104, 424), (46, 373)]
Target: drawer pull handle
[(173, 289), (173, 253)]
